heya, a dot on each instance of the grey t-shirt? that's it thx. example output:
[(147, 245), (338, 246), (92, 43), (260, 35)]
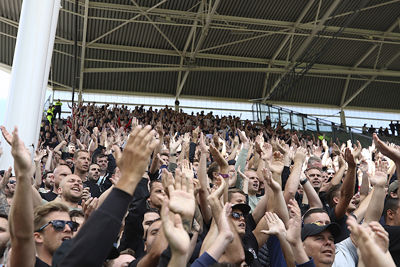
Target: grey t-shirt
[(345, 254)]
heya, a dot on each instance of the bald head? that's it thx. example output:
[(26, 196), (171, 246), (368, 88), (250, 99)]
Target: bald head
[(60, 173), (71, 188)]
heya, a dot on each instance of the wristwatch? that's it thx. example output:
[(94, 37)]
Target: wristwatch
[(302, 182)]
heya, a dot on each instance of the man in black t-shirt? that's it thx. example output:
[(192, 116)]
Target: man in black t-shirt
[(391, 215), (59, 174)]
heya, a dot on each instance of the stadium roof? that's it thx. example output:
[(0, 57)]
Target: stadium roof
[(232, 49)]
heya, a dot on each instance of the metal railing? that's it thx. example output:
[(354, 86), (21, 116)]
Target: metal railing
[(305, 123)]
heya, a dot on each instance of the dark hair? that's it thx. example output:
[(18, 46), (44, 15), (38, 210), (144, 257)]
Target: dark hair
[(152, 210), (312, 211), (100, 155), (390, 204), (233, 191), (76, 213), (76, 154), (332, 193), (45, 174), (212, 168), (152, 182)]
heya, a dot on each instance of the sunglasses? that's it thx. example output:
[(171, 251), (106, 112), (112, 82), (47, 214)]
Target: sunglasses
[(12, 182), (59, 225), (237, 215)]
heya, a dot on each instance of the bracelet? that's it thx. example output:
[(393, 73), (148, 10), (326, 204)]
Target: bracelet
[(303, 181), (172, 154)]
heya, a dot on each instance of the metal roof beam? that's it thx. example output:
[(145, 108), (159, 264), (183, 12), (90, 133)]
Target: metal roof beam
[(83, 50), (255, 21), (180, 81), (241, 69), (203, 35), (284, 41), (361, 60), (365, 85), (166, 52), (157, 28), (305, 44), (126, 22)]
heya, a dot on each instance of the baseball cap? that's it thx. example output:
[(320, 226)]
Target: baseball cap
[(393, 187), (242, 207), (315, 229)]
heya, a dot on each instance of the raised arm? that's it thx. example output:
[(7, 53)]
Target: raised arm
[(21, 213), (347, 188), (202, 176), (379, 180), (139, 146), (294, 178)]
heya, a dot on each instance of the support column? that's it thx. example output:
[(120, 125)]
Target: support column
[(30, 72), (342, 119)]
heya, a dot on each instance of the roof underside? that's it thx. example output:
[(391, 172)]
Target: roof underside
[(228, 49)]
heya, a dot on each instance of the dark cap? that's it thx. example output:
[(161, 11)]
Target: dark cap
[(242, 207), (315, 229), (393, 187)]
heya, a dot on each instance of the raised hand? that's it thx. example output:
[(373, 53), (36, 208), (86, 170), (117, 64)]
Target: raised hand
[(219, 185), (39, 154), (348, 156), (173, 145), (266, 152), (357, 150), (386, 150), (174, 231), (293, 235), (89, 205), (275, 225), (181, 195), (21, 155), (187, 170), (380, 177), (203, 147), (274, 185), (218, 158), (372, 243), (135, 158), (276, 166), (300, 155), (7, 136), (243, 137)]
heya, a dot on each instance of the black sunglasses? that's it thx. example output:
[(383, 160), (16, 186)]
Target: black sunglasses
[(12, 181), (59, 225), (237, 215)]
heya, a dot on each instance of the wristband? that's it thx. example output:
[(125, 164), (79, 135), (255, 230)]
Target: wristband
[(172, 154), (224, 175), (303, 181)]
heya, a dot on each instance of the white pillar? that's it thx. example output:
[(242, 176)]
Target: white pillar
[(30, 72)]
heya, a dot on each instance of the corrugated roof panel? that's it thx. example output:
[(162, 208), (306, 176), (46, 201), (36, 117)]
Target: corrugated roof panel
[(377, 93), (224, 84), (151, 82), (367, 19), (311, 90), (10, 9)]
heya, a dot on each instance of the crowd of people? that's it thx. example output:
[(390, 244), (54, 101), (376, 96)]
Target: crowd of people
[(394, 127), (110, 186)]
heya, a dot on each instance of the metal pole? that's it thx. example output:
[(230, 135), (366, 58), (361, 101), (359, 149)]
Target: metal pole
[(74, 64), (30, 72)]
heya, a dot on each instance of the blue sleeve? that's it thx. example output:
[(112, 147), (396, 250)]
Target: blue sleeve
[(203, 261), (275, 251), (309, 263)]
